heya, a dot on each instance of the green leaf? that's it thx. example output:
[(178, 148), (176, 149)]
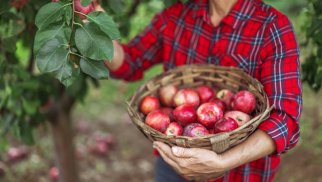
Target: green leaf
[(68, 73), (51, 56), (184, 1), (30, 106), (26, 133), (85, 2), (49, 13), (94, 68), (4, 143), (10, 25), (168, 3), (93, 43), (79, 88), (10, 44), (68, 13), (105, 23), (45, 35), (116, 5)]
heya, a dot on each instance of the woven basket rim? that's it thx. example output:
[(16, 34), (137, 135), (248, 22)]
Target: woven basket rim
[(192, 67)]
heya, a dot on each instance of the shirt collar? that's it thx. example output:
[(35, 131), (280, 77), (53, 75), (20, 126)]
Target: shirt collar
[(240, 12)]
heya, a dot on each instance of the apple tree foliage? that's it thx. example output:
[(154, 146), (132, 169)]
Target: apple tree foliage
[(66, 53), (312, 66), (64, 56)]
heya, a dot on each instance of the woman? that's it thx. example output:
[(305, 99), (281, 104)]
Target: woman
[(243, 33)]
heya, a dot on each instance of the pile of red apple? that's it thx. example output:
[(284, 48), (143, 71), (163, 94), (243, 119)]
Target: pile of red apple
[(197, 112)]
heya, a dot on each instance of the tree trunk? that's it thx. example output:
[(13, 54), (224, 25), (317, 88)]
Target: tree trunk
[(65, 151)]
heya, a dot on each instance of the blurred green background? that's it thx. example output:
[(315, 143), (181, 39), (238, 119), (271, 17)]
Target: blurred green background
[(130, 159)]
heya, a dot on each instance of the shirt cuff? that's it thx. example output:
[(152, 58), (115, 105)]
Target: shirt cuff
[(122, 72), (277, 129)]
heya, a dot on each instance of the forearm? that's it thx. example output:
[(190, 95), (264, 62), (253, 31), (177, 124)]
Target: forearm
[(118, 57), (258, 145)]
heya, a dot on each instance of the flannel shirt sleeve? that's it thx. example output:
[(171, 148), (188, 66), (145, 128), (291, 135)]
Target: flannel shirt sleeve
[(143, 51), (280, 76)]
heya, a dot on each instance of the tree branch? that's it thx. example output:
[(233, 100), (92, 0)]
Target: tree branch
[(31, 61)]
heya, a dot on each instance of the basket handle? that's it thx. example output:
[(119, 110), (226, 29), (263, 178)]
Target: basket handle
[(220, 142)]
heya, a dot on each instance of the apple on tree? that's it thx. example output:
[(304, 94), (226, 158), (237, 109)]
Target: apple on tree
[(195, 130), (18, 4), (209, 113), (83, 9), (186, 96), (149, 103), (238, 116), (205, 93), (157, 120), (185, 114), (244, 101), (79, 8), (174, 129)]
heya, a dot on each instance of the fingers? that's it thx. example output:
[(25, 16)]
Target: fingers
[(193, 153), (184, 152), (166, 150), (165, 153)]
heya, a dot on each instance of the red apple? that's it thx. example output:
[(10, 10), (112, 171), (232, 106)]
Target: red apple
[(185, 114), (211, 131), (53, 173), (186, 96), (18, 3), (15, 154), (225, 125), (83, 9), (195, 130), (166, 95), (169, 112), (149, 103), (238, 116), (226, 96), (205, 93), (174, 129), (106, 138), (99, 148), (244, 101), (209, 113), (157, 120), (219, 102)]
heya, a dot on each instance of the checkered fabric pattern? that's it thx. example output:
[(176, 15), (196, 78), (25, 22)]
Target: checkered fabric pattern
[(254, 37)]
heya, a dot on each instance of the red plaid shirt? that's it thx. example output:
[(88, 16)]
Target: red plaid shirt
[(254, 37)]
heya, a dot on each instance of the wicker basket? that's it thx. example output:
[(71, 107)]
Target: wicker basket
[(194, 75)]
